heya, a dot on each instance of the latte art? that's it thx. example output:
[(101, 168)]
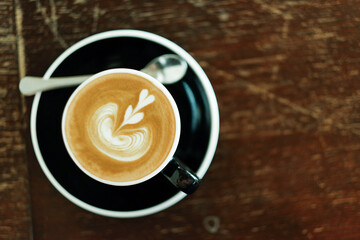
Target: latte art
[(117, 142), (120, 127)]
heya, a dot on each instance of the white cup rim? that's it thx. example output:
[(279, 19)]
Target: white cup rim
[(213, 107), (156, 84)]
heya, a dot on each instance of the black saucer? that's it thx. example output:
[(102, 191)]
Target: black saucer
[(120, 52)]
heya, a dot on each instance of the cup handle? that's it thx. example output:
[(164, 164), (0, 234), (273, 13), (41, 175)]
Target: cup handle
[(181, 176)]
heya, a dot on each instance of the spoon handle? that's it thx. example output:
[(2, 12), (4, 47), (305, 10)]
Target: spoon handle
[(30, 85)]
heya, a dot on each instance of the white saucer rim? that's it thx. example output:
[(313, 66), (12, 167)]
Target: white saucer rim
[(214, 113)]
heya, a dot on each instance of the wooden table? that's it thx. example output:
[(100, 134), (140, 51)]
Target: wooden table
[(286, 75)]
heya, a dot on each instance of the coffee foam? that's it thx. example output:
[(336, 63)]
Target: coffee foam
[(120, 127), (120, 144)]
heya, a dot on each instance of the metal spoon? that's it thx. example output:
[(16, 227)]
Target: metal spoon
[(167, 69)]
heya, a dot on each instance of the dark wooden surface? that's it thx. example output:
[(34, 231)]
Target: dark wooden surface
[(286, 75)]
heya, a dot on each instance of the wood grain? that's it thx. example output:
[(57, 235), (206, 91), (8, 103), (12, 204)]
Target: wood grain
[(286, 75), (15, 218)]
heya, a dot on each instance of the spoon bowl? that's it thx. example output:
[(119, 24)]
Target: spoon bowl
[(167, 68)]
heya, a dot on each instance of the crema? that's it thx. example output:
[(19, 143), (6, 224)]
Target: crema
[(120, 127)]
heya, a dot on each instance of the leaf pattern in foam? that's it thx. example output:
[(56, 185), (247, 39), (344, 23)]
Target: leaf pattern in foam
[(143, 95), (132, 116), (144, 99), (128, 113), (137, 117)]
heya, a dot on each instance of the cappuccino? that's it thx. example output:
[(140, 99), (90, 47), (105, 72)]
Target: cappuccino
[(120, 127)]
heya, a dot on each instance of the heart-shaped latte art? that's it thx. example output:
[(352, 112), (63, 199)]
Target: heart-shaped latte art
[(127, 144)]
